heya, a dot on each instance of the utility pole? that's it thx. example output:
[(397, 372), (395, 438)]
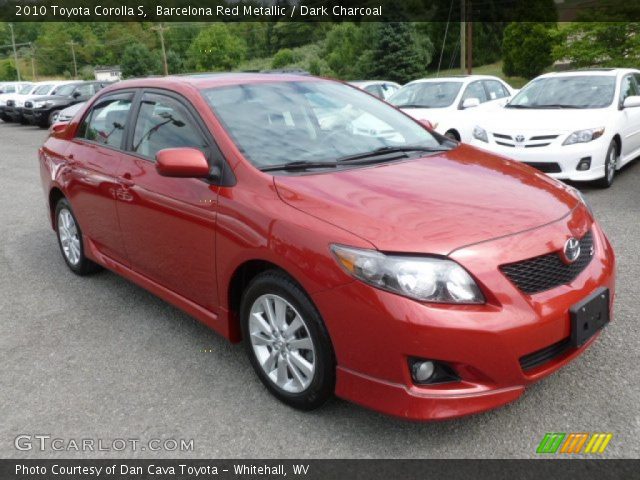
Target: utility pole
[(73, 54), (469, 41), (33, 62), (160, 29), (463, 34), (15, 52)]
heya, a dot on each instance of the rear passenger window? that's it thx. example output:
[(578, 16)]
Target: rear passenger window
[(164, 123), (106, 122)]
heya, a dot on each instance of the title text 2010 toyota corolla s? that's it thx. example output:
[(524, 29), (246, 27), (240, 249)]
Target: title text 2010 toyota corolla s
[(351, 249)]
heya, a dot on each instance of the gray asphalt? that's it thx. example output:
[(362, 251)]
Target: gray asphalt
[(101, 358)]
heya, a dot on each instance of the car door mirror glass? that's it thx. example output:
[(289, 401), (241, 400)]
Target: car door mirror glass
[(182, 162)]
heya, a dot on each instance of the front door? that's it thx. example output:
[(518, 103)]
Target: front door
[(168, 224)]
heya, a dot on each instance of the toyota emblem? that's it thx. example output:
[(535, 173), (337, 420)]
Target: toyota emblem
[(571, 250), (519, 138)]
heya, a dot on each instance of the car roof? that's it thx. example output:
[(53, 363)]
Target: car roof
[(210, 80), (456, 78), (364, 83), (605, 72)]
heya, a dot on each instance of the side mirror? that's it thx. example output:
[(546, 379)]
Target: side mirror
[(182, 162), (631, 101), (470, 102)]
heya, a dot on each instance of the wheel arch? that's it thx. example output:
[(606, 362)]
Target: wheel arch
[(237, 284), (55, 195)]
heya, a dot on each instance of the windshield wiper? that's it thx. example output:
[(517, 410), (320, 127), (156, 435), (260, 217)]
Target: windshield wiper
[(378, 155), (509, 105), (383, 151), (556, 105), (298, 165)]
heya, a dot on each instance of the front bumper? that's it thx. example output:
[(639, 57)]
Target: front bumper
[(37, 116), (566, 157), (375, 333)]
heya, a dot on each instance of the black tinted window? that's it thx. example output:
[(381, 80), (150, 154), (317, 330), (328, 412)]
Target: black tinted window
[(107, 121), (164, 123)]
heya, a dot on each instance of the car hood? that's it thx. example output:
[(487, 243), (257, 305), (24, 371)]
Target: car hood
[(514, 120), (434, 204), (44, 98)]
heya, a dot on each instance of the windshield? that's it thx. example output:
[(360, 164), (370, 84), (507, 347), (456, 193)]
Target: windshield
[(311, 121), (25, 89), (426, 95), (579, 91), (43, 89), (66, 90)]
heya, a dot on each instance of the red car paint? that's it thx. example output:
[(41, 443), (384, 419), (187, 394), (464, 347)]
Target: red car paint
[(186, 241)]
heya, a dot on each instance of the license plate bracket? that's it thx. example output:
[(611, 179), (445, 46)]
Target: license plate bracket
[(589, 316)]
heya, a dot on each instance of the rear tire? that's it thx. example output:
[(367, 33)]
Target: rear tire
[(610, 165), (287, 342), (70, 240)]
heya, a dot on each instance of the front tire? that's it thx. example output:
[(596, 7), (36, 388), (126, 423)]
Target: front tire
[(610, 164), (70, 240), (287, 342)]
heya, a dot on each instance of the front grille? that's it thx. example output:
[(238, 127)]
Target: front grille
[(548, 271), (532, 142), (545, 167), (544, 355)]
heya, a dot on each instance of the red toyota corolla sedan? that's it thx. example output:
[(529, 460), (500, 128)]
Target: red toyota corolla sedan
[(351, 249)]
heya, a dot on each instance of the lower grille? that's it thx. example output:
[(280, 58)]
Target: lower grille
[(545, 272), (544, 355), (545, 167)]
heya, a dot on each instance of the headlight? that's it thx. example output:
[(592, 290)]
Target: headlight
[(427, 279), (584, 136), (480, 133), (3, 103)]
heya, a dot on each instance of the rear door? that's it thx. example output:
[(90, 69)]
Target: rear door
[(95, 155), (168, 224)]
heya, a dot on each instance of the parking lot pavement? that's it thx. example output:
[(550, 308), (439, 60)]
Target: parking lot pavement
[(100, 358)]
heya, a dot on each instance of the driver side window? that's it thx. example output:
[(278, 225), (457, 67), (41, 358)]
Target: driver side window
[(164, 123), (475, 90)]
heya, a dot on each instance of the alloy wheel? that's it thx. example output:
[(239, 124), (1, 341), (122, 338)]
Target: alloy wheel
[(282, 343), (69, 237)]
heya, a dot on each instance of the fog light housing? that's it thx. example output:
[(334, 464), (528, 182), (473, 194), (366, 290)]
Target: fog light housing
[(428, 372), (584, 164)]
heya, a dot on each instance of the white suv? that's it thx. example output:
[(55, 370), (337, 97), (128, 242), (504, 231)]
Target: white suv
[(447, 102), (578, 125)]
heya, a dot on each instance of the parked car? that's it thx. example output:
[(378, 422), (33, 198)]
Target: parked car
[(42, 111), (66, 115), (445, 101), (576, 125), (15, 103), (408, 273), (380, 88), (8, 91)]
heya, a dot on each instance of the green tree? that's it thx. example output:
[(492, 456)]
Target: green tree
[(343, 47), (138, 61), (606, 44), (527, 48), (283, 58), (396, 53), (216, 49)]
